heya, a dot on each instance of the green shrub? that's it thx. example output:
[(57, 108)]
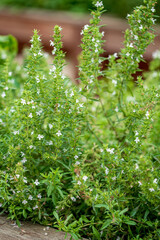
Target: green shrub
[(85, 159)]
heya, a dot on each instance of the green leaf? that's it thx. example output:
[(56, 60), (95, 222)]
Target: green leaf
[(106, 224), (56, 215), (96, 233), (75, 237), (123, 211), (134, 211), (102, 206), (66, 221), (129, 222)]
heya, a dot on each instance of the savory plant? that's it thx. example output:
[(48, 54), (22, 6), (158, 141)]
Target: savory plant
[(84, 158)]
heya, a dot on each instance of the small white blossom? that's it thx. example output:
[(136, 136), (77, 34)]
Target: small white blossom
[(17, 175), (151, 189), (79, 183), (77, 163), (36, 182), (50, 126), (99, 4), (86, 27), (136, 133), (24, 160), (141, 27), (147, 115), (40, 136), (137, 140), (30, 115), (59, 133), (30, 197), (85, 178), (24, 202), (106, 170), (139, 183), (116, 109), (136, 166), (35, 207), (51, 43), (110, 150), (114, 82), (16, 132), (115, 55), (73, 199), (153, 9), (155, 180), (39, 195), (75, 157), (3, 94), (23, 101)]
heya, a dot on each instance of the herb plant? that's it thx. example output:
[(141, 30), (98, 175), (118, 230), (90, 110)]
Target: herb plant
[(85, 158)]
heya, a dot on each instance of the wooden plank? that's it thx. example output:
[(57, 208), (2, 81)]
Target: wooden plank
[(28, 231)]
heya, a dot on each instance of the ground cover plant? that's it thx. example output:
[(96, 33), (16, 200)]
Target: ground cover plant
[(85, 158)]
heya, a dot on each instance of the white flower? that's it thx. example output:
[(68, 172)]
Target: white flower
[(16, 132), (59, 133), (116, 109), (3, 94), (30, 115), (24, 202), (156, 54), (49, 143), (24, 160), (32, 132), (73, 199), (79, 183), (136, 133), (137, 167), (135, 37), (139, 183), (155, 180), (110, 150), (40, 136), (30, 197), (75, 157), (17, 175), (36, 182), (35, 207), (50, 126), (101, 150), (114, 178), (151, 189), (86, 27), (40, 53), (115, 55), (72, 94), (77, 163), (114, 82), (106, 170), (99, 4), (52, 69), (141, 27), (85, 178), (136, 140), (127, 54), (51, 43), (23, 101), (147, 115), (153, 9), (31, 146), (25, 180), (39, 195), (37, 79)]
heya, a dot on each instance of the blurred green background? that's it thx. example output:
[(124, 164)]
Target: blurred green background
[(119, 8)]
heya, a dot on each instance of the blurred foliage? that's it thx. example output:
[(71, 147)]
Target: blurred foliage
[(118, 8)]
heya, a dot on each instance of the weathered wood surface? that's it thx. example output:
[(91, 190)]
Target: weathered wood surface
[(28, 231)]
